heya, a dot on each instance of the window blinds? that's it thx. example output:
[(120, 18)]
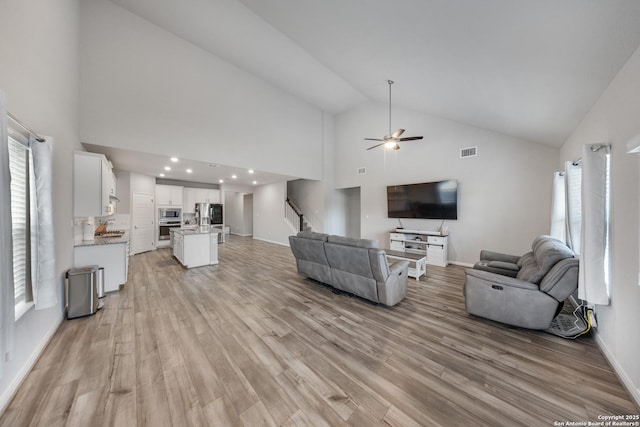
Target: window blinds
[(20, 212)]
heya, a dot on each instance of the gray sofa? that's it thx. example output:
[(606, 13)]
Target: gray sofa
[(544, 278), (357, 266)]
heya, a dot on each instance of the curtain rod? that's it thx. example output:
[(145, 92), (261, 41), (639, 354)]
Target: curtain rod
[(594, 148), (19, 123)]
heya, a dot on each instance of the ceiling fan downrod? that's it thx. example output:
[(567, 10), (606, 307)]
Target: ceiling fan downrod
[(390, 83)]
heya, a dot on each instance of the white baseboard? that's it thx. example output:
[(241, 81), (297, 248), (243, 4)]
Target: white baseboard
[(271, 241), (619, 371), (242, 235), (12, 389)]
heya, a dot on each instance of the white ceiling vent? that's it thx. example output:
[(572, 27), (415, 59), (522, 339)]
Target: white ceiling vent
[(468, 152), (362, 171)]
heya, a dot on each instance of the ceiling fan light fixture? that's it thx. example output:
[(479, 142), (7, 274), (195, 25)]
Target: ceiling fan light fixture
[(391, 140)]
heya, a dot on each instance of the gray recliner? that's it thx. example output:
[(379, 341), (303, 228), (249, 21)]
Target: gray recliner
[(544, 278)]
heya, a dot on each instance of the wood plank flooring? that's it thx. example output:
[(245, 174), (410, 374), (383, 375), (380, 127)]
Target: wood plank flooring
[(249, 343)]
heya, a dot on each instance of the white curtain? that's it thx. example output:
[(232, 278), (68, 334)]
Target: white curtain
[(558, 207), (7, 302), (45, 281), (593, 283), (573, 184)]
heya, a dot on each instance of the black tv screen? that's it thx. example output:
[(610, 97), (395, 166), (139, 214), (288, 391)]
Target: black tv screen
[(429, 200)]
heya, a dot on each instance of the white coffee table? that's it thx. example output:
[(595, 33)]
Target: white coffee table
[(420, 261)]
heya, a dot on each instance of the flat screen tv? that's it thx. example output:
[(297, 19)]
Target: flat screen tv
[(429, 200)]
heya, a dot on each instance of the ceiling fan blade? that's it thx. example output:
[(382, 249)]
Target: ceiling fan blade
[(410, 138), (373, 139), (377, 145), (397, 133)]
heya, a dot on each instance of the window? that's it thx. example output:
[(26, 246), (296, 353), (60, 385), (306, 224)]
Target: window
[(19, 167)]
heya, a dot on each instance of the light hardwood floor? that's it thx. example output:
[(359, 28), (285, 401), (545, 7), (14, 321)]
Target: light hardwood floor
[(249, 342)]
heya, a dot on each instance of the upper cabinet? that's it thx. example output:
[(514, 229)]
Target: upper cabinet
[(94, 188), (199, 195), (207, 195), (168, 195)]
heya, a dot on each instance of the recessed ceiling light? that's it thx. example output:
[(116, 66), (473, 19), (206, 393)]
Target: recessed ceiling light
[(161, 175), (221, 181), (189, 170), (167, 168), (255, 182), (174, 159), (250, 170), (234, 176)]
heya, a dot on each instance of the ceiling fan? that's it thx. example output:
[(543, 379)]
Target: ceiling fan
[(391, 140)]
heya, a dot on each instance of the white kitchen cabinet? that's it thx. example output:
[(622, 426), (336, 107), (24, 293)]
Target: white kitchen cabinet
[(207, 195), (199, 195), (113, 257), (169, 195), (178, 247), (94, 188), (190, 200)]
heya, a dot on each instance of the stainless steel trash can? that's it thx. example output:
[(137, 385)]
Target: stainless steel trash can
[(100, 282), (81, 291)]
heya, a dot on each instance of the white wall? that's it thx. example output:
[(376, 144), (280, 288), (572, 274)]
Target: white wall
[(39, 74), (145, 89), (142, 183), (269, 223), (123, 191), (238, 213), (614, 119), (504, 193), (248, 214), (353, 214)]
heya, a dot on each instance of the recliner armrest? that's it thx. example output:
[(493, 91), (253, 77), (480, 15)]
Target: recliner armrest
[(497, 256), (398, 267), (500, 280)]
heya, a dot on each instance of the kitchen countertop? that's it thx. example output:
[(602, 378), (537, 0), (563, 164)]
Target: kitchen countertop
[(103, 241), (196, 230)]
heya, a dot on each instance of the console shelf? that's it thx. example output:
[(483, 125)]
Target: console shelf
[(428, 243)]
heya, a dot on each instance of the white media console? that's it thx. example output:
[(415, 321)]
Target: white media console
[(429, 243)]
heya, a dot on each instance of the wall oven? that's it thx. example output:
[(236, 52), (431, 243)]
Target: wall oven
[(164, 225), (168, 218)]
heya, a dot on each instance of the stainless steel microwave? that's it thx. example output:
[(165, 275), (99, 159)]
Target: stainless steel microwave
[(170, 213)]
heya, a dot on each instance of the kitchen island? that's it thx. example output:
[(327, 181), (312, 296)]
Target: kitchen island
[(195, 247)]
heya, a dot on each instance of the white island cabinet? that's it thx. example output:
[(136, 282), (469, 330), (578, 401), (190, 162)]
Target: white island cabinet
[(112, 254), (196, 247)]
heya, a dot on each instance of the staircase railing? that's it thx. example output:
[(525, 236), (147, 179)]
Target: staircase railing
[(293, 215)]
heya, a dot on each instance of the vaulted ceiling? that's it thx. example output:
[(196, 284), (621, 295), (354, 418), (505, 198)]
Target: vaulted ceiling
[(530, 69)]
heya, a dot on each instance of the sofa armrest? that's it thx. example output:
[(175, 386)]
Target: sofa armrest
[(499, 280), (497, 256), (398, 267)]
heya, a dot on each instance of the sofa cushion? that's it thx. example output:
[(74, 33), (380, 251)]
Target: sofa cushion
[(349, 241)]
